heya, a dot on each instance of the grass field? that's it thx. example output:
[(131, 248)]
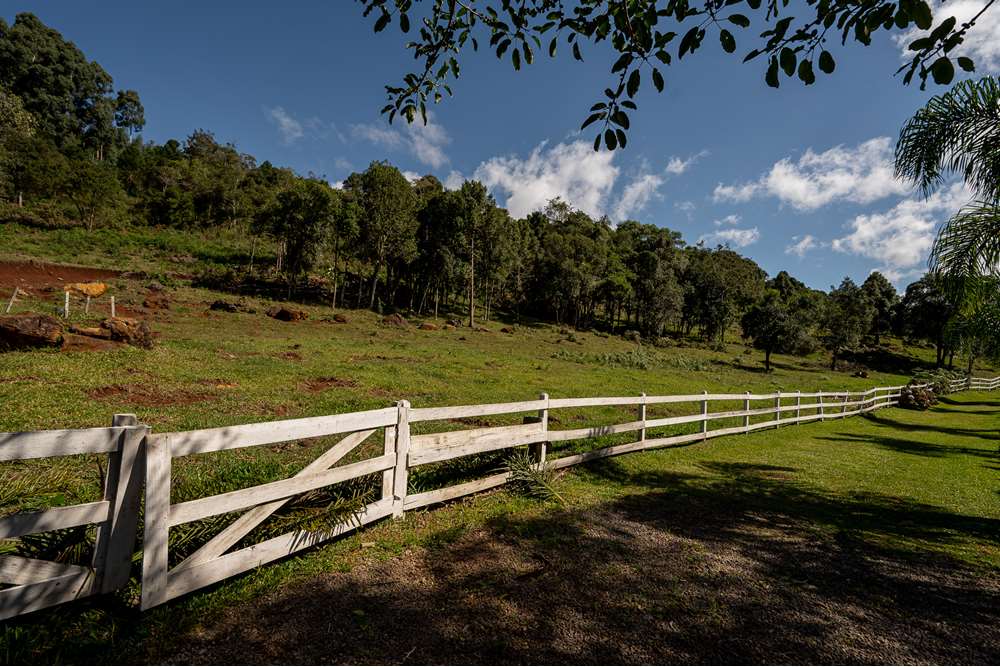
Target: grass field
[(866, 516)]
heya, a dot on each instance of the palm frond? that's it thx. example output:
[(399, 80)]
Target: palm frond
[(956, 132), (967, 247), (532, 478)]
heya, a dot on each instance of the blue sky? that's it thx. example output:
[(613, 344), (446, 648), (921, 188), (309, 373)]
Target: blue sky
[(797, 178)]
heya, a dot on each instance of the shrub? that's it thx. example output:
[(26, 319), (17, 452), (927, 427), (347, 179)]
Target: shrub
[(940, 379), (913, 397)]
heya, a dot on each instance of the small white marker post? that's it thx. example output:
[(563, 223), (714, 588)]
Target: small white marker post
[(112, 305), (66, 306), (86, 306), (10, 304)]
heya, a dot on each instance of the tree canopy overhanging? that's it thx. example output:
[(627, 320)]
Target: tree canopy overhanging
[(650, 35)]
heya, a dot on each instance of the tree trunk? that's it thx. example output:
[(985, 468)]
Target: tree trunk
[(767, 361), (472, 284), (833, 361), (371, 302)]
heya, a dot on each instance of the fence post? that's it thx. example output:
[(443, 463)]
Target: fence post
[(822, 411), (777, 409), (388, 447), (798, 406), (704, 412), (13, 297), (66, 306), (537, 450), (843, 408), (642, 418), (156, 522), (112, 305), (746, 418), (401, 472), (116, 537)]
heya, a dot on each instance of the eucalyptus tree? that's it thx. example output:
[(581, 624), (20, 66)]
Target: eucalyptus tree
[(647, 36), (881, 294), (846, 320)]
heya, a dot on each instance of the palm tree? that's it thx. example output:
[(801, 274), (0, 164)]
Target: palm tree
[(959, 131)]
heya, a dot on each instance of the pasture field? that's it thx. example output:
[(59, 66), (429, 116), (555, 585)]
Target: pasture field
[(893, 517)]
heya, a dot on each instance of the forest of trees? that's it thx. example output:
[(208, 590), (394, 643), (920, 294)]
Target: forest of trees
[(71, 153)]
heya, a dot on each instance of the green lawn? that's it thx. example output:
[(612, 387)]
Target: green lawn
[(917, 487)]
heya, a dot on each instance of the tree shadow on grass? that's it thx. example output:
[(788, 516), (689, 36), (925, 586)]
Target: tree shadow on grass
[(738, 564), (914, 447), (882, 420), (959, 402)]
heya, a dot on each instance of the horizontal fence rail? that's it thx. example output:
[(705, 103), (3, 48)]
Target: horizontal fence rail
[(136, 457)]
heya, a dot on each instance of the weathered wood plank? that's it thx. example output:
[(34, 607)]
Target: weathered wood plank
[(596, 431), (472, 436), (461, 411), (39, 595), (117, 536), (252, 435), (457, 491), (594, 401), (54, 518), (20, 570), (223, 503), (240, 528), (400, 475), (237, 562), (156, 522), (67, 442), (486, 443)]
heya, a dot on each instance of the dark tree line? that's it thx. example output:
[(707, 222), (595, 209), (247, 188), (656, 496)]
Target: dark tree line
[(71, 153)]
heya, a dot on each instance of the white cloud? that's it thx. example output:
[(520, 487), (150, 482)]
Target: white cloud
[(637, 195), (454, 180), (411, 176), (982, 42), (425, 142), (731, 219), (289, 128), (572, 171), (678, 166), (860, 174), (802, 245), (739, 238), (899, 239), (687, 207)]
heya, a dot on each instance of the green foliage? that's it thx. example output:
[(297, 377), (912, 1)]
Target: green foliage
[(846, 320), (912, 397), (643, 37), (533, 479)]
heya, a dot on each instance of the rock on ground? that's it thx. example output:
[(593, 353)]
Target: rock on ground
[(28, 330)]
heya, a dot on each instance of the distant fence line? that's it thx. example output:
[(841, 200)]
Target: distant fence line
[(140, 458)]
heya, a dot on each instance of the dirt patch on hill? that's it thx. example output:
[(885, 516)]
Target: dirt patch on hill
[(33, 276), (319, 384), (147, 396), (704, 572)]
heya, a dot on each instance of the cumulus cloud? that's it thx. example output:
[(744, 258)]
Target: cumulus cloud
[(899, 239), (289, 128), (425, 142), (982, 43), (861, 174), (802, 245), (686, 207), (739, 238), (678, 166), (572, 171), (731, 219), (637, 195)]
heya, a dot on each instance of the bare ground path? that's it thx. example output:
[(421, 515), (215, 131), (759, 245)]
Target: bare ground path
[(726, 568)]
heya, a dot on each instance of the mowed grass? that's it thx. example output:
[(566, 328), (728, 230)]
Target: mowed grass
[(917, 488)]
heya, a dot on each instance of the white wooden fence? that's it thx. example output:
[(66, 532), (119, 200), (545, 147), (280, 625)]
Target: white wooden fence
[(137, 455)]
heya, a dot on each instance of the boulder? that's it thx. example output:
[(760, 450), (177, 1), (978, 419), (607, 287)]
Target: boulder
[(507, 330), (395, 320), (428, 326), (287, 314), (224, 306), (128, 330), (28, 330), (340, 318), (455, 323), (93, 290)]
